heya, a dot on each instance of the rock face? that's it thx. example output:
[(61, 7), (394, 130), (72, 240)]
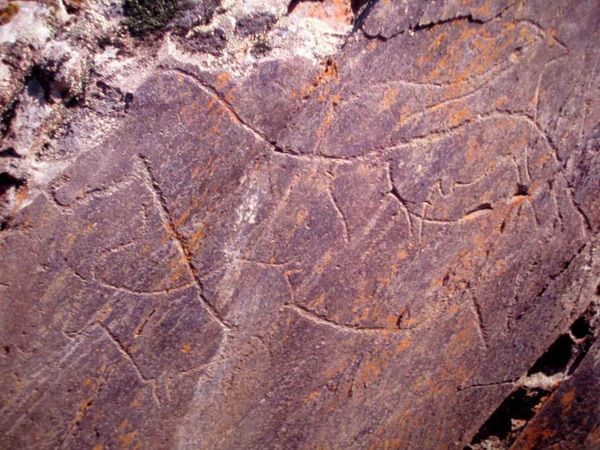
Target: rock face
[(307, 225)]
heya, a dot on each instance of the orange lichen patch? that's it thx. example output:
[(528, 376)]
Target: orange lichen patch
[(336, 370), (186, 348), (318, 302), (501, 265), (481, 241), (98, 447), (444, 58), (476, 214), (230, 96), (436, 108), (168, 233), (490, 50), (222, 79), (364, 294), (389, 99), (593, 439), (8, 12), (566, 401), (542, 160), (550, 40), (335, 100), (536, 432), (177, 266), (197, 237), (197, 170), (69, 242), (210, 105), (409, 322), (404, 116), (461, 340), (103, 313), (401, 255), (182, 219), (393, 423), (323, 447), (435, 284), (137, 400), (535, 187), (473, 150), (391, 321), (56, 285), (501, 102), (527, 36), (424, 383), (84, 405), (366, 169), (482, 10), (403, 345), (388, 276), (328, 73), (358, 302), (301, 216), (326, 123), (18, 386), (323, 263), (335, 13), (372, 45), (312, 396), (459, 115), (126, 438), (368, 373), (518, 200), (20, 197), (389, 444)]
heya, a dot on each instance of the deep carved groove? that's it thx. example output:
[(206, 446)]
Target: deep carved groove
[(561, 359), (511, 416), (556, 358)]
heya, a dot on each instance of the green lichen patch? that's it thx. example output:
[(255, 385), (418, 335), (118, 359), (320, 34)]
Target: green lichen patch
[(144, 16)]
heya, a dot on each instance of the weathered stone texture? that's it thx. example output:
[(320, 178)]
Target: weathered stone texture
[(395, 246)]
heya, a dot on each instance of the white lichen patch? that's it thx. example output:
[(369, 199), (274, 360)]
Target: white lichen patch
[(30, 25), (297, 34)]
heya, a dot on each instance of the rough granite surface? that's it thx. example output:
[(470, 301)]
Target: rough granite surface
[(300, 225)]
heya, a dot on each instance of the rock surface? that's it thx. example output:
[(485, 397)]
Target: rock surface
[(270, 224)]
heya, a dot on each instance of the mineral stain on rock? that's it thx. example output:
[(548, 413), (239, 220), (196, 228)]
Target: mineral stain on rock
[(7, 12), (312, 224)]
